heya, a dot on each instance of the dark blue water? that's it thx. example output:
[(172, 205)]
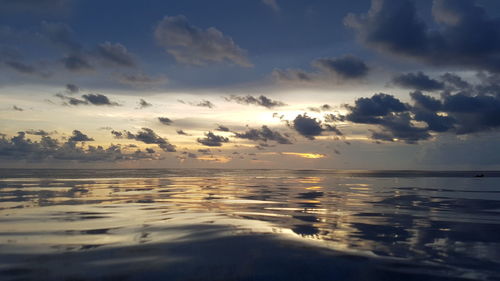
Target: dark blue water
[(249, 225)]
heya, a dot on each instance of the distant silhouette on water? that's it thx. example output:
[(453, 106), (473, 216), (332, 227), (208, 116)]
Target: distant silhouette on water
[(479, 176)]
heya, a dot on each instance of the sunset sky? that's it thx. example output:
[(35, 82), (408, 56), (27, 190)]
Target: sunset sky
[(381, 84)]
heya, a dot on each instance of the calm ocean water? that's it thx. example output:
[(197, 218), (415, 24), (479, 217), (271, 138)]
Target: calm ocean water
[(248, 225)]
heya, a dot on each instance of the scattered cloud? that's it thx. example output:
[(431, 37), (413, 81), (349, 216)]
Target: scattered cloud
[(147, 136), (418, 81), (211, 139), (264, 134), (202, 103), (115, 54), (144, 104), (79, 136), (311, 127), (222, 128), (88, 99), (259, 101), (165, 121), (347, 67), (50, 149), (192, 45), (17, 108)]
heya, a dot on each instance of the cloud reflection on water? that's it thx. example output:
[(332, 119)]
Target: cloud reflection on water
[(450, 222)]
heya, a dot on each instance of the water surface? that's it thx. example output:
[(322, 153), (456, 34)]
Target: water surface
[(248, 225)]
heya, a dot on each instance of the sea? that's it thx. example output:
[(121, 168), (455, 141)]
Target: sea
[(210, 224)]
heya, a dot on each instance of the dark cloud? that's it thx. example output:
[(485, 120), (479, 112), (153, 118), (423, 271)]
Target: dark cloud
[(17, 108), (222, 128), (311, 127), (324, 107), (455, 81), (390, 114), (60, 34), (205, 103), (417, 81), (368, 110), (165, 121), (466, 36), (205, 151), (339, 70), (144, 104), (88, 99), (77, 62), (47, 149), (72, 89), (202, 103), (79, 136), (293, 75), (211, 139), (147, 136), (98, 99), (192, 45), (348, 67), (264, 134), (182, 132), (189, 154), (115, 54), (140, 79), (473, 113), (260, 101), (463, 112)]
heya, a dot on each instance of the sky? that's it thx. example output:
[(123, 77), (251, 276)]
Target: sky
[(380, 84)]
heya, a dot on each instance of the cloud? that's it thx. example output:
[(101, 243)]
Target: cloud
[(348, 67), (264, 134), (115, 54), (88, 99), (273, 4), (368, 110), (79, 136), (466, 111), (189, 44), (24, 68), (466, 35), (147, 136), (418, 81), (311, 127), (144, 104), (182, 132), (48, 149), (259, 101), (324, 107), (338, 70), (37, 132), (60, 34), (72, 89), (98, 99), (165, 121), (222, 128), (390, 114), (77, 62), (140, 79), (202, 103), (295, 75), (17, 108), (211, 139)]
